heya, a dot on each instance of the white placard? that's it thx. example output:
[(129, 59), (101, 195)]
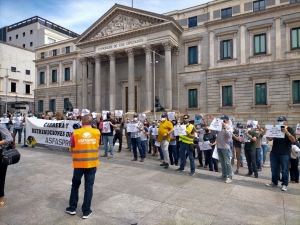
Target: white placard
[(204, 145), (131, 127), (4, 120), (253, 122), (106, 127), (274, 131), (298, 128), (171, 115), (242, 135), (216, 124), (142, 117), (215, 153), (104, 113), (154, 131), (157, 143), (118, 113), (75, 112), (179, 130)]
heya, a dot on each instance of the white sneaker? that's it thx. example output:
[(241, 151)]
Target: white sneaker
[(86, 216), (284, 188), (271, 185), (228, 180)]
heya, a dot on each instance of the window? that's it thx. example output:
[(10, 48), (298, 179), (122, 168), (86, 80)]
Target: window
[(258, 5), (226, 49), (52, 105), (226, 13), (192, 98), (13, 69), (68, 49), (294, 1), (193, 21), (295, 38), (23, 45), (9, 38), (54, 76), (226, 95), (27, 88), (50, 40), (23, 34), (66, 100), (13, 87), (296, 91), (54, 52), (260, 44), (27, 72), (42, 77), (40, 106), (193, 55), (261, 94), (31, 31), (17, 36), (67, 73), (42, 55), (30, 44)]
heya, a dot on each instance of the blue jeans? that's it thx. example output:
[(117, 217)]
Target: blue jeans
[(189, 149), (89, 178), (264, 152), (258, 158), (136, 143), (224, 158), (110, 140), (144, 147), (175, 154), (284, 161), (161, 154), (19, 131)]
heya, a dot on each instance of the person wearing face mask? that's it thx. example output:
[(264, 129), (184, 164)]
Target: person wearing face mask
[(164, 130), (127, 135), (136, 139), (258, 146), (280, 154), (250, 151), (18, 126), (108, 137), (153, 137), (208, 136), (237, 145)]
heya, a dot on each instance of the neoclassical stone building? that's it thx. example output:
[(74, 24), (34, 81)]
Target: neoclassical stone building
[(238, 57)]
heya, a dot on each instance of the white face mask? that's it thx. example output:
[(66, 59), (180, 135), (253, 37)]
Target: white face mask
[(280, 122), (163, 119), (135, 118), (249, 129)]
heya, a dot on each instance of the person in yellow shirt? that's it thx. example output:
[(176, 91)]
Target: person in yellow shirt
[(164, 130)]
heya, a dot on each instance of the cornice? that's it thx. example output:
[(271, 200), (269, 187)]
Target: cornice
[(232, 32), (57, 57), (264, 26)]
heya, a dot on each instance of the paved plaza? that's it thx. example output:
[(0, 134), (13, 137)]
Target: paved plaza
[(125, 192)]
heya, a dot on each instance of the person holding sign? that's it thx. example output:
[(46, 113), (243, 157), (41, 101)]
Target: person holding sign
[(164, 130), (108, 135), (187, 145), (280, 154), (136, 138), (18, 126)]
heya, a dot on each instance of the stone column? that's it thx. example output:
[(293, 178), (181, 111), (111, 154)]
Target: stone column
[(211, 49), (175, 80), (60, 76), (74, 71), (168, 76), (243, 45), (131, 93), (47, 76), (97, 83), (278, 38), (148, 84), (84, 85), (112, 81)]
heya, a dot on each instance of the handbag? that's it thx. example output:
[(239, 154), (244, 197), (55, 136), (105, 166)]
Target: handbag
[(10, 156)]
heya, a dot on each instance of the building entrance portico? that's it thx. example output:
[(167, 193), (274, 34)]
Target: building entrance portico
[(121, 44)]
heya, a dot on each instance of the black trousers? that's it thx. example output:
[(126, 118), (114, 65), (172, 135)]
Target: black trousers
[(3, 169), (294, 171), (118, 137), (251, 161)]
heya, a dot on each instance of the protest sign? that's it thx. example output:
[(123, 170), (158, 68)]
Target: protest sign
[(4, 120), (118, 113), (106, 127), (242, 135), (216, 124), (131, 127), (154, 131), (215, 153), (198, 119), (142, 117), (253, 122), (298, 128), (171, 115), (204, 145), (75, 112), (104, 113), (274, 131), (179, 130), (53, 134)]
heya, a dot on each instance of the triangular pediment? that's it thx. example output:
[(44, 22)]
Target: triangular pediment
[(121, 20)]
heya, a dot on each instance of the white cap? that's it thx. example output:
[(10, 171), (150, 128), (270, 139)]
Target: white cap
[(85, 112)]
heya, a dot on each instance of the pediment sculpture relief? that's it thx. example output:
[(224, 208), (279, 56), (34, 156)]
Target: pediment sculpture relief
[(122, 23)]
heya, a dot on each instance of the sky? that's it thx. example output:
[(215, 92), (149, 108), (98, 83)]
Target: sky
[(79, 15)]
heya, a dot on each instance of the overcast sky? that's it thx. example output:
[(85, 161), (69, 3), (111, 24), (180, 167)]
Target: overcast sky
[(78, 15)]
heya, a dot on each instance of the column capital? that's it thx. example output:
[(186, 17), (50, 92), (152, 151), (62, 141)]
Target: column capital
[(130, 52), (97, 58), (111, 56), (175, 51), (167, 45), (148, 49), (83, 61)]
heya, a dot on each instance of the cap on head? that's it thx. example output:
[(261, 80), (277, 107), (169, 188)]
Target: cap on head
[(239, 125), (135, 115), (108, 113), (250, 125), (164, 115), (281, 118), (224, 117)]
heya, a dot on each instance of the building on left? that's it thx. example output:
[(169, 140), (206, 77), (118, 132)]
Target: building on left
[(17, 78)]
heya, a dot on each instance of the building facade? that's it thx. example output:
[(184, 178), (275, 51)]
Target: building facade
[(17, 78), (238, 57)]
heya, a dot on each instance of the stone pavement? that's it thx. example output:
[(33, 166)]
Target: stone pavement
[(125, 192)]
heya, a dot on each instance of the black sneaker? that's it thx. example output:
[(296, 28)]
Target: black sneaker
[(119, 151), (248, 174), (179, 170), (70, 211), (192, 173), (86, 216), (166, 165), (163, 164)]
